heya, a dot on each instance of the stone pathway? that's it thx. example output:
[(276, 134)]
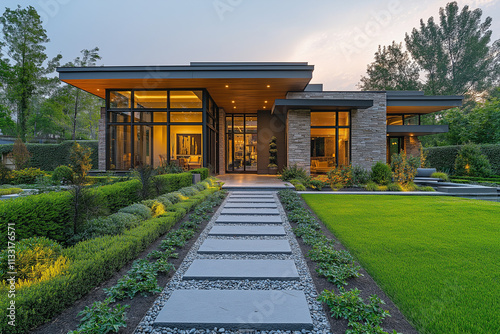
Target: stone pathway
[(245, 274)]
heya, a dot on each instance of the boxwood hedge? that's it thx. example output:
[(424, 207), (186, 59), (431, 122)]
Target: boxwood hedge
[(91, 263), (49, 215), (443, 157)]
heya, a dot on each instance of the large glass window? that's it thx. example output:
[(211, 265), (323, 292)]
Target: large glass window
[(186, 99), (150, 99), (186, 117), (330, 140), (119, 99), (403, 119), (120, 147), (186, 145)]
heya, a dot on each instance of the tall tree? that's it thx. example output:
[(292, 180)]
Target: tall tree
[(455, 54), (24, 43), (393, 69), (89, 58)]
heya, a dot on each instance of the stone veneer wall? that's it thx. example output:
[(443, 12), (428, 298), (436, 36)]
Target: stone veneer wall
[(298, 125), (102, 141), (368, 128), (222, 141), (412, 146)]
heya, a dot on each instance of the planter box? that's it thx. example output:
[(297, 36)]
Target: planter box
[(425, 172)]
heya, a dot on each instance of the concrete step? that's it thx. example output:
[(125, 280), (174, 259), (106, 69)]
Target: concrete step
[(247, 219), (251, 196), (236, 309), (469, 189), (242, 211), (233, 205), (242, 270), (250, 200), (252, 193), (218, 246), (223, 230)]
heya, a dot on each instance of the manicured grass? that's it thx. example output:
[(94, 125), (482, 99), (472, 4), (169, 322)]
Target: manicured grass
[(438, 258)]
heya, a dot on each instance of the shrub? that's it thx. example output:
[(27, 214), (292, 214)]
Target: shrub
[(164, 200), (4, 173), (140, 210), (471, 162), (114, 224), (360, 175), (340, 177), (381, 173), (300, 187), (317, 184), (394, 187), (10, 191), (204, 172), (80, 161), (170, 168), (25, 176), (371, 186), (273, 153), (101, 318), (382, 188), (20, 154), (410, 187), (188, 191), (426, 188), (62, 174), (403, 168), (145, 175), (157, 208), (442, 176), (294, 172)]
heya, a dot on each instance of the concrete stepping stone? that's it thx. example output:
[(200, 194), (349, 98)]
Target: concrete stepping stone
[(239, 309), (251, 200), (243, 211), (252, 193), (251, 196), (218, 246), (248, 219), (223, 230), (250, 205), (242, 269)]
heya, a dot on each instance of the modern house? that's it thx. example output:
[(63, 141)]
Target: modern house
[(223, 115)]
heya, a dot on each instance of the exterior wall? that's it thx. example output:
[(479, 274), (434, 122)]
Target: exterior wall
[(298, 125), (368, 126), (412, 146), (102, 140), (267, 126), (222, 142)]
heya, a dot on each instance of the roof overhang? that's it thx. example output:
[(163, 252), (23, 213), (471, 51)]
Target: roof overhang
[(249, 85), (417, 103), (283, 105), (416, 130)]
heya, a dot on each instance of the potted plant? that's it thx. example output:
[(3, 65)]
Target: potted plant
[(273, 157)]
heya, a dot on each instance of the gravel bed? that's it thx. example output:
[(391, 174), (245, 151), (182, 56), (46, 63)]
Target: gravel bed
[(305, 283)]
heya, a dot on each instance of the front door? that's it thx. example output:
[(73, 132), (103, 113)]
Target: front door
[(241, 143), (394, 146)]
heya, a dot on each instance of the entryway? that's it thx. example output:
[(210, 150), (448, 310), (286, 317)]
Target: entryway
[(241, 143)]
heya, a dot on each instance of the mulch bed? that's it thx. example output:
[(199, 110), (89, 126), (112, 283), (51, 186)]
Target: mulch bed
[(364, 283)]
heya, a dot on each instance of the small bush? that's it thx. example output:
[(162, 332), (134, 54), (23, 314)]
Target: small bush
[(10, 191), (170, 168), (204, 172), (62, 174), (294, 172), (101, 318), (317, 184), (404, 168), (340, 177), (381, 173), (394, 187), (426, 188), (411, 187), (25, 176), (371, 186), (471, 162), (189, 191), (360, 175), (164, 200), (442, 176), (300, 187), (382, 188), (4, 173), (137, 209)]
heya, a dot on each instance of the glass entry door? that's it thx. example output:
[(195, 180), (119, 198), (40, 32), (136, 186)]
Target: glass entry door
[(394, 146), (241, 143)]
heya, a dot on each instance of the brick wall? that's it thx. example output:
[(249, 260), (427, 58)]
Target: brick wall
[(412, 146), (298, 124), (368, 128)]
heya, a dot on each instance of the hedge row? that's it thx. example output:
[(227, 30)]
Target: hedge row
[(443, 157), (202, 171), (49, 215), (49, 156), (91, 263)]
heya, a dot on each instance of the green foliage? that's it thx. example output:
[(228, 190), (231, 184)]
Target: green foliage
[(25, 176), (273, 153), (9, 191), (80, 161), (173, 182), (381, 173), (426, 188), (145, 175), (360, 175), (33, 256), (62, 174), (102, 318), (317, 184), (340, 177), (441, 176), (139, 210), (350, 306), (393, 69), (188, 191), (4, 173), (394, 187), (170, 168), (471, 162), (49, 156), (422, 254), (371, 186), (204, 172), (20, 154), (294, 172), (404, 168)]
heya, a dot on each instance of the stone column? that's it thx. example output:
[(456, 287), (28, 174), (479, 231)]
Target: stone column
[(102, 141), (412, 146), (298, 124), (222, 142)]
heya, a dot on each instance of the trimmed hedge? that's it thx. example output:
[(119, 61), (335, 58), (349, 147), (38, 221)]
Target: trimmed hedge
[(443, 157), (202, 171), (49, 215), (49, 156), (91, 263)]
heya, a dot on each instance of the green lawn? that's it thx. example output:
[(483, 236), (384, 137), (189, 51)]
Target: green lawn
[(438, 258)]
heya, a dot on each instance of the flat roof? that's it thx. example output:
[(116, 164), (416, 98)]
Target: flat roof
[(282, 105), (407, 102), (248, 84)]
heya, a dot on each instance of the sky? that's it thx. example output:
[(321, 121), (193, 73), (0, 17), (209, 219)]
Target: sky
[(338, 37)]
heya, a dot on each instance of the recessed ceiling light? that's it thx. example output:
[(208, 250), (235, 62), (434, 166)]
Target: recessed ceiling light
[(234, 107), (265, 101), (227, 86), (98, 90), (268, 86), (264, 107), (232, 101)]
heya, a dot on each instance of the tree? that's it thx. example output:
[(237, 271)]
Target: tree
[(393, 69), (27, 75), (455, 54), (89, 58)]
